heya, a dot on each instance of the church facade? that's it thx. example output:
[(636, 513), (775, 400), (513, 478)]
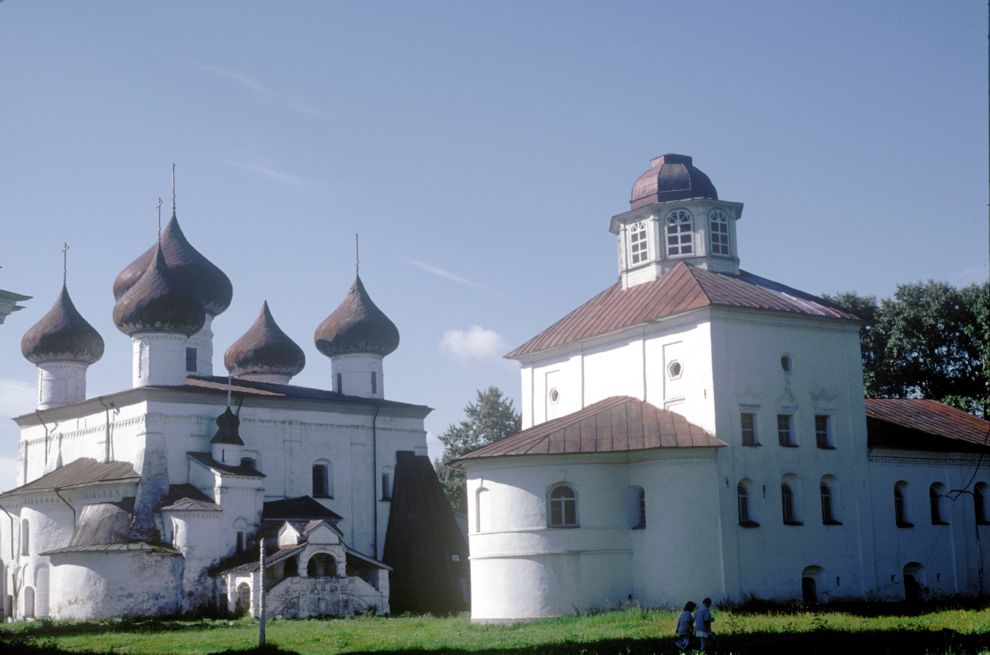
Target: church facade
[(159, 499), (696, 430)]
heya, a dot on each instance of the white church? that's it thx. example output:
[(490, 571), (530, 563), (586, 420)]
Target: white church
[(158, 499), (697, 430)]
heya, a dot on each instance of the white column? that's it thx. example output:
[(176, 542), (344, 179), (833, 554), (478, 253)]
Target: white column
[(358, 375), (202, 341), (61, 383)]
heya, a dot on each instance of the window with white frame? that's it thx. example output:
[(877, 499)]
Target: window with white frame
[(748, 426), (788, 502), (562, 507), (746, 518), (639, 245), (718, 232), (680, 233), (785, 433), (823, 431)]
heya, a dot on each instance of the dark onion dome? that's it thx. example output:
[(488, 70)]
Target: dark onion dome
[(356, 326), (62, 335), (158, 302), (671, 177), (211, 286), (228, 432), (264, 350)]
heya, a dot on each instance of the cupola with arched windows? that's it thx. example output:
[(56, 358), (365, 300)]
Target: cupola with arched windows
[(675, 215)]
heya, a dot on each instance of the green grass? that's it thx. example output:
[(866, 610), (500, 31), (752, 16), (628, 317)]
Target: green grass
[(850, 630)]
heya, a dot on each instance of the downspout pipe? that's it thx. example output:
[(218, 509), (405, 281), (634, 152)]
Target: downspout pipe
[(374, 480), (62, 498), (106, 409), (45, 426)]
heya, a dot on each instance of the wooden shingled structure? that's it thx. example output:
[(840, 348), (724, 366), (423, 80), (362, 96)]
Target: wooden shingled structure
[(424, 547), (921, 424), (616, 424), (681, 289)]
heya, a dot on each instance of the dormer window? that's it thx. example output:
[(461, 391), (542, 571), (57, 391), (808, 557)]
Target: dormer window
[(718, 232), (680, 233), (639, 250)]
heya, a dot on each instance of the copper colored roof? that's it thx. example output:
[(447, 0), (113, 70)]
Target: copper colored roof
[(264, 350), (671, 177), (209, 284), (78, 473), (912, 423), (356, 326), (62, 335), (683, 288), (616, 424)]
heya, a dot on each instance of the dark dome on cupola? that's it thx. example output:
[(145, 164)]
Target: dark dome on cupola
[(62, 335), (209, 284), (158, 302), (264, 350), (671, 177), (356, 326)]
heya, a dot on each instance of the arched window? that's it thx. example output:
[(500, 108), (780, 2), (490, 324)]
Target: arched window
[(321, 565), (746, 518), (827, 490), (980, 504), (718, 232), (482, 513), (639, 250), (322, 479), (680, 233), (562, 510), (901, 516), (787, 504), (386, 483), (25, 537), (935, 500)]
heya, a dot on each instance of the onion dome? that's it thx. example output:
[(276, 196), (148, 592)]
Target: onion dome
[(158, 302), (264, 350), (671, 177), (62, 335), (357, 326), (211, 286), (228, 425)]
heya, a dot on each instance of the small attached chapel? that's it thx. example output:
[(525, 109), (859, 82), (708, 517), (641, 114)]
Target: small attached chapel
[(159, 499), (698, 430)]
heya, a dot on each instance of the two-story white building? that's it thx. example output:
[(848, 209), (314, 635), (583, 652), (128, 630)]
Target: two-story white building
[(696, 430)]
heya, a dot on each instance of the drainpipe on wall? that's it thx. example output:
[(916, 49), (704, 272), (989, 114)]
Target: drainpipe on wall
[(374, 481), (45, 426), (60, 497), (106, 409)]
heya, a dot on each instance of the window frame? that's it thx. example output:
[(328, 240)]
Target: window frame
[(823, 435), (326, 482), (826, 490), (936, 504), (754, 437), (719, 246), (743, 506), (565, 507), (788, 503), (678, 232), (192, 361), (901, 514), (638, 238), (785, 434)]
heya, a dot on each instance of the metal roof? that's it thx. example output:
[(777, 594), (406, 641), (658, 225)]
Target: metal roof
[(187, 497), (80, 472), (683, 288), (912, 422), (616, 424), (135, 546), (295, 509), (207, 460)]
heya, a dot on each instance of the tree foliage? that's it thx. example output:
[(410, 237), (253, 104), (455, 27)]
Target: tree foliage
[(489, 418), (930, 340)]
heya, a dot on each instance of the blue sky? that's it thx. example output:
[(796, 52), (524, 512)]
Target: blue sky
[(479, 149)]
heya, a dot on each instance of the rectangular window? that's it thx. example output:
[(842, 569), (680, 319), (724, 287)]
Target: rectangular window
[(718, 228), (386, 487), (638, 244), (190, 360), (748, 421), (823, 436), (248, 462), (340, 383), (240, 542), (321, 481), (374, 382), (784, 433)]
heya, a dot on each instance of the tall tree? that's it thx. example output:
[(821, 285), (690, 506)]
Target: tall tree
[(489, 418), (930, 340)]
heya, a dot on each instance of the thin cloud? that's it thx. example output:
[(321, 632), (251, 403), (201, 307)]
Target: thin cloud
[(475, 344), (266, 171), (447, 275), (259, 88)]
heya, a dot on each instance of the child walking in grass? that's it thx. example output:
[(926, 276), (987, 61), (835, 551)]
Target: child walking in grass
[(685, 626), (703, 624)]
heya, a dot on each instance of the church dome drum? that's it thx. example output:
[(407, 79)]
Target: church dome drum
[(62, 335), (264, 350), (671, 177), (357, 326), (210, 285), (158, 302)]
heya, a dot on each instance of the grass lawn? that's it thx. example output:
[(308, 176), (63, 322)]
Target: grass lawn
[(851, 630)]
